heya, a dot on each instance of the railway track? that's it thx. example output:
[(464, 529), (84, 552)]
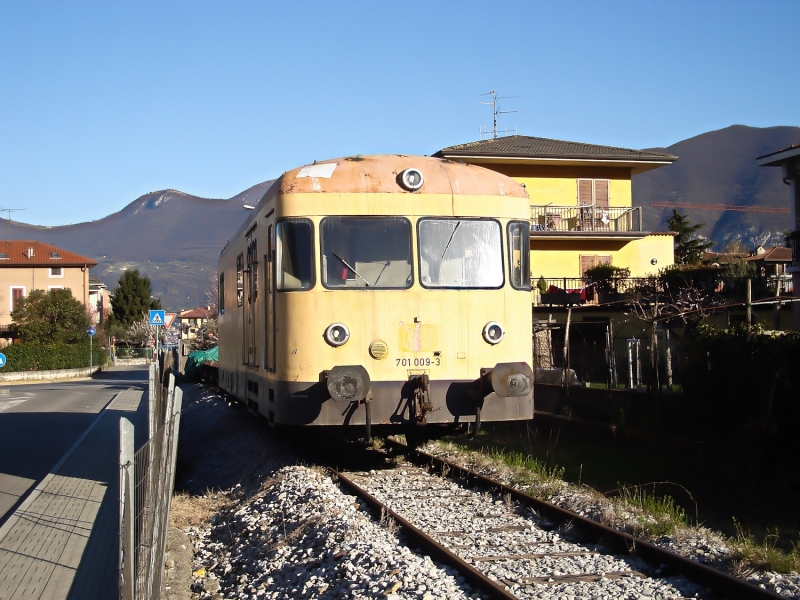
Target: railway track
[(511, 545)]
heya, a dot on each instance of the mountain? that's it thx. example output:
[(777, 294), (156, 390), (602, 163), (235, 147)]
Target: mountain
[(719, 167), (172, 237), (175, 238)]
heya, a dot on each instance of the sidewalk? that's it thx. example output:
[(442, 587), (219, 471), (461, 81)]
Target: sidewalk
[(62, 542)]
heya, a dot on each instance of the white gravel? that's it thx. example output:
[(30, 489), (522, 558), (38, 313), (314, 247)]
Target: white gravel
[(304, 538)]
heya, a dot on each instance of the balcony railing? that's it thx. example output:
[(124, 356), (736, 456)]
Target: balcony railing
[(565, 291), (586, 218)]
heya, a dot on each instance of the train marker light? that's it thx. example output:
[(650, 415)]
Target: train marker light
[(412, 179), (348, 384), (337, 334), (493, 332)]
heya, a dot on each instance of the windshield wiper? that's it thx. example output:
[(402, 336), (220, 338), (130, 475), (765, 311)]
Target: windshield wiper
[(346, 264), (452, 235)]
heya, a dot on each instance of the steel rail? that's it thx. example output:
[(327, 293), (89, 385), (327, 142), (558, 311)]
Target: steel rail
[(717, 581), (426, 543)]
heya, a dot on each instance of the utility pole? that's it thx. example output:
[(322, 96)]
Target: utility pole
[(496, 112)]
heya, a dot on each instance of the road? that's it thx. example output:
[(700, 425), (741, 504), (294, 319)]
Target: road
[(39, 423)]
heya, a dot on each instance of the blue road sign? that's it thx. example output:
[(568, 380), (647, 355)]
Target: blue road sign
[(157, 317), (2, 360), (91, 331)]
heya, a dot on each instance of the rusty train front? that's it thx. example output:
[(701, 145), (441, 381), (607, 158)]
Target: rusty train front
[(380, 289)]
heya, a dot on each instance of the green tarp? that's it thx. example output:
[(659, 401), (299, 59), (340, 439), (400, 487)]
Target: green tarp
[(196, 359)]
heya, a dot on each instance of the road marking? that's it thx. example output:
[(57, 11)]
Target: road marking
[(7, 403)]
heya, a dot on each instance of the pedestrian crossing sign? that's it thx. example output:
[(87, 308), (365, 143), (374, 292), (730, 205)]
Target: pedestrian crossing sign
[(157, 317)]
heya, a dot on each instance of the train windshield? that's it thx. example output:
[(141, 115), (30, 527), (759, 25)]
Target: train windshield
[(366, 252), (460, 253)]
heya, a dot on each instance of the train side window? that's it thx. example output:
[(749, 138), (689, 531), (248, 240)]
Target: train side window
[(221, 294), (519, 255), (240, 280), (295, 254), (366, 252)]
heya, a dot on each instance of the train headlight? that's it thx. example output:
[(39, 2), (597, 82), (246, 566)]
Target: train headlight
[(337, 334), (493, 333), (412, 179), (348, 384)]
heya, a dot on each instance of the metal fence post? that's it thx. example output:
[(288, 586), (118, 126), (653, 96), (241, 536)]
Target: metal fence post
[(126, 509)]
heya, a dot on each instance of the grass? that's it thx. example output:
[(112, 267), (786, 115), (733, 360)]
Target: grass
[(657, 515), (752, 555), (188, 510)]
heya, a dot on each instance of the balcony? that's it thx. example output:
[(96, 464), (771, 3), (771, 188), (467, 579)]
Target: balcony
[(577, 220), (570, 291)]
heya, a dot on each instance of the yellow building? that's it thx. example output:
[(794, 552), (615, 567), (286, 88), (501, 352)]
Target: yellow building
[(581, 207)]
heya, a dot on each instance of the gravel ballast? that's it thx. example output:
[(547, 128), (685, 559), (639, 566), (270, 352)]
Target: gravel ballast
[(288, 531)]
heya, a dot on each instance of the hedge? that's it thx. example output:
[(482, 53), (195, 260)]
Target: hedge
[(47, 357), (740, 382)]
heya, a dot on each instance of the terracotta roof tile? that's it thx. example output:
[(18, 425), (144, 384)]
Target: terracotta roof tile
[(30, 253), (527, 146)]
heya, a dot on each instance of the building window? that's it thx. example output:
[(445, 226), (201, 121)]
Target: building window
[(592, 260), (593, 192), (56, 272), (55, 287), (17, 293)]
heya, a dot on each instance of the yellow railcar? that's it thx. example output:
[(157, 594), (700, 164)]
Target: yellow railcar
[(380, 290)]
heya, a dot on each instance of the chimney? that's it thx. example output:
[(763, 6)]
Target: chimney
[(30, 252)]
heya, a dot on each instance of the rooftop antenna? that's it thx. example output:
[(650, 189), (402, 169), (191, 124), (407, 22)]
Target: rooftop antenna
[(9, 211), (496, 112)]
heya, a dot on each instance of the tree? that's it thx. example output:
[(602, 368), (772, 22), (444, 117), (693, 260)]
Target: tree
[(50, 317), (689, 248), (132, 299)]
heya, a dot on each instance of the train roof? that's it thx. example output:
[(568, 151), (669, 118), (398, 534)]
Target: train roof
[(380, 174)]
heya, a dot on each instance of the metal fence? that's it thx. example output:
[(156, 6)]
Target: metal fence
[(600, 356), (145, 490)]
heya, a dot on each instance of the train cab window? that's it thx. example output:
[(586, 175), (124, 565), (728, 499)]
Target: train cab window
[(519, 255), (366, 252), (460, 253), (295, 254)]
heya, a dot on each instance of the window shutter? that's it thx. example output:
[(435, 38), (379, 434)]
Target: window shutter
[(587, 262), (601, 192), (584, 191)]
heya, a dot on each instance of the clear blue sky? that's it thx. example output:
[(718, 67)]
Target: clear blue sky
[(101, 102)]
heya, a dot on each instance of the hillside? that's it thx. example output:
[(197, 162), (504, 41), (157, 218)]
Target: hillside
[(719, 167), (172, 237)]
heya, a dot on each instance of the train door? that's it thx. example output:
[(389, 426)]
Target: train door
[(269, 284)]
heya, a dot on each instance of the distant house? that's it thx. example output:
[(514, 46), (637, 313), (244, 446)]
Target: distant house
[(99, 301), (27, 265), (788, 160), (191, 321)]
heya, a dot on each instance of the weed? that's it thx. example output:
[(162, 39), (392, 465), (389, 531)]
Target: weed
[(753, 555), (187, 510), (656, 515)]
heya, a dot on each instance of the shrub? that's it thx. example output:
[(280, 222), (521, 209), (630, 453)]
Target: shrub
[(605, 277), (46, 357)]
